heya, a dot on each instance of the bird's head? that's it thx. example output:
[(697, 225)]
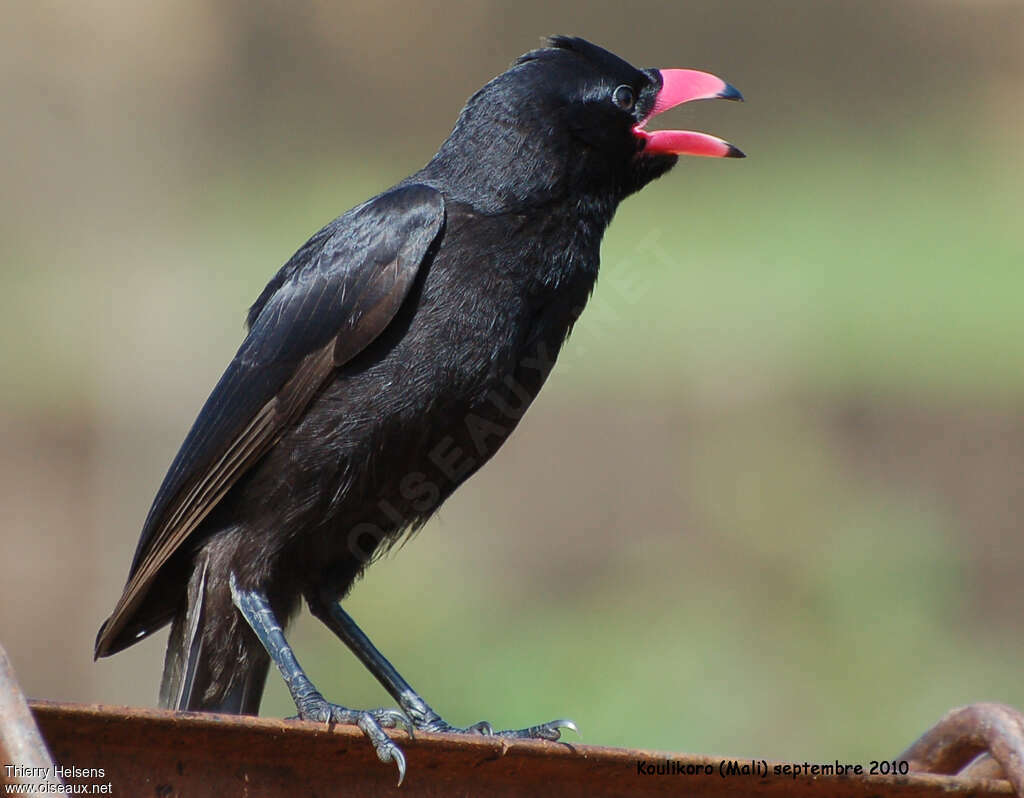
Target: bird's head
[(571, 119)]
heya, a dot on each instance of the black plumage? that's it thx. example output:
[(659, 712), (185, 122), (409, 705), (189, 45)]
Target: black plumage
[(384, 364)]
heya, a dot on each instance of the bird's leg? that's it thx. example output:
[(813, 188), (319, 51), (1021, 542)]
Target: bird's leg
[(424, 718), (255, 608), (979, 740)]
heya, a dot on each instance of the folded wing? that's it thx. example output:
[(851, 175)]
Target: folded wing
[(328, 303)]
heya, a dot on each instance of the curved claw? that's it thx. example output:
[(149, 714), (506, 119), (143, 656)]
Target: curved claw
[(551, 729), (544, 731), (383, 745), (481, 727), (564, 723), (392, 753), (372, 722), (399, 758)]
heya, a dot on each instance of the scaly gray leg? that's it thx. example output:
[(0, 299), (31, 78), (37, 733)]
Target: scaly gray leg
[(255, 608), (424, 718)]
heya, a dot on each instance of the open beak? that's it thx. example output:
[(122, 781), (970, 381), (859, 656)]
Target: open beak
[(681, 86)]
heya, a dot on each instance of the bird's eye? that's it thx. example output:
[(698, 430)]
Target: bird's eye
[(624, 98)]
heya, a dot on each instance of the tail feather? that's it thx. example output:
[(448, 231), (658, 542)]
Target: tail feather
[(210, 664)]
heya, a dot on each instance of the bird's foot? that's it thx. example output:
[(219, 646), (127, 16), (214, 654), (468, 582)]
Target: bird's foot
[(544, 731), (371, 721), (424, 718)]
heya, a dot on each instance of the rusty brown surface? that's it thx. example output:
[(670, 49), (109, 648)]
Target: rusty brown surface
[(146, 752), (24, 759), (952, 744)]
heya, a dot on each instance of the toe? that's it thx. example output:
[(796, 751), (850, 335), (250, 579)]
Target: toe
[(394, 719), (386, 750)]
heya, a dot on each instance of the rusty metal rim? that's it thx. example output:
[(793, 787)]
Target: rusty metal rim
[(174, 746)]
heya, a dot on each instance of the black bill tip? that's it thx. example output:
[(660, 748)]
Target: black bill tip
[(734, 152), (730, 92)]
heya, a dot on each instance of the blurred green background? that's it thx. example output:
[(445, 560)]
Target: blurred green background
[(769, 502)]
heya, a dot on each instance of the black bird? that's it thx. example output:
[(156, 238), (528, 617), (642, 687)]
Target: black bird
[(384, 364)]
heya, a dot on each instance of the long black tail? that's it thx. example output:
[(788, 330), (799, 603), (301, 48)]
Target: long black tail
[(214, 662)]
